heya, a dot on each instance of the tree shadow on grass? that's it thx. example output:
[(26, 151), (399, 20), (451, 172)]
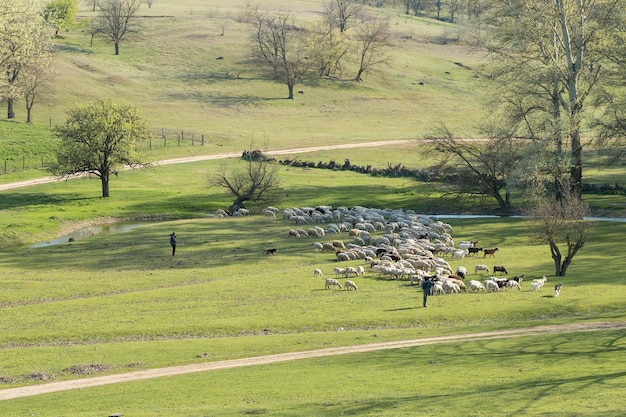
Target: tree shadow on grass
[(11, 201)]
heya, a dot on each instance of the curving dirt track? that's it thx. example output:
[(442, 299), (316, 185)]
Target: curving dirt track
[(45, 180), (12, 393)]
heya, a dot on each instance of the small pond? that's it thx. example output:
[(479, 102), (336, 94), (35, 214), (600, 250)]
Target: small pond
[(94, 230)]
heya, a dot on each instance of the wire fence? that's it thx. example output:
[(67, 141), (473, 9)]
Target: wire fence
[(160, 138)]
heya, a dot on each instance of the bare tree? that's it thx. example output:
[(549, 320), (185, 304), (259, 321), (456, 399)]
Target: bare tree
[(116, 21), (250, 180), (341, 13), (560, 224), (370, 37), (480, 167), (281, 46), (33, 83)]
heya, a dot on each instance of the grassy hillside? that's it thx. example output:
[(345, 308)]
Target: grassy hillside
[(173, 74)]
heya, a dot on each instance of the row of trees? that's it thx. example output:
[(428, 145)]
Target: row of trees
[(556, 73), (343, 33)]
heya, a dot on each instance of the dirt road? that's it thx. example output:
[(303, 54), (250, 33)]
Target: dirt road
[(45, 180), (29, 391)]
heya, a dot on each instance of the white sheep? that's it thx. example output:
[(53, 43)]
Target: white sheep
[(360, 270), (332, 282), (451, 287), (481, 268), (438, 288), (513, 284), (350, 285), (491, 285), (317, 246), (350, 270), (317, 273), (475, 285), (269, 213), (338, 271)]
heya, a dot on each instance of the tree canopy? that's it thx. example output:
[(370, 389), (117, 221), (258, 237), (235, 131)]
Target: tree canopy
[(100, 139)]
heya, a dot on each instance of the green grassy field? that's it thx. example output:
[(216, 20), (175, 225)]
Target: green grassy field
[(118, 303), (121, 302)]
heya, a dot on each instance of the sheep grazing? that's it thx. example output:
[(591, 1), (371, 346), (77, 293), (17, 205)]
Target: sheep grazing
[(481, 268), (475, 286), (557, 290), (332, 282), (350, 285), (500, 268), (338, 271), (490, 252), (294, 233), (513, 284), (461, 271), (491, 285), (317, 273)]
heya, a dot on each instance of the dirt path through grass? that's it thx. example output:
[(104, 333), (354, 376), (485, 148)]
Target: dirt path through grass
[(29, 391), (44, 180)]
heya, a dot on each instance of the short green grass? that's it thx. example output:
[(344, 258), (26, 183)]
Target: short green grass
[(118, 303)]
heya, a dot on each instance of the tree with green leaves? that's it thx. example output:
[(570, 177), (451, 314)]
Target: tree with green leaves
[(61, 14), (25, 48), (550, 60), (100, 139), (116, 20)]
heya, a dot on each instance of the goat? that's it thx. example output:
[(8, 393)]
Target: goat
[(500, 268), (557, 290), (473, 251), (491, 252)]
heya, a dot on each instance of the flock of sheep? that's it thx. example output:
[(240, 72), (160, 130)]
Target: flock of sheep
[(395, 244)]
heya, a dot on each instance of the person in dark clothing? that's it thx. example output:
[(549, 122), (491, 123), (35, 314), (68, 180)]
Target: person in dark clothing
[(173, 243), (427, 288)]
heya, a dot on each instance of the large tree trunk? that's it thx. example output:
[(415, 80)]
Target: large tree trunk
[(290, 91), (117, 48), (105, 185), (10, 110)]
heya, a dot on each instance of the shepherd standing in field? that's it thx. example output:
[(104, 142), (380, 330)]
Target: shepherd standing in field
[(173, 243), (427, 288)]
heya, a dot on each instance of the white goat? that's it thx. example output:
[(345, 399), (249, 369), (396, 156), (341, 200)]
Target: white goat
[(537, 284)]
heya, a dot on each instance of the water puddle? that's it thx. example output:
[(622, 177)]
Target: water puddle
[(94, 230)]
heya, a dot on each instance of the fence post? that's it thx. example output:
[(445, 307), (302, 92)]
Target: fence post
[(203, 139)]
